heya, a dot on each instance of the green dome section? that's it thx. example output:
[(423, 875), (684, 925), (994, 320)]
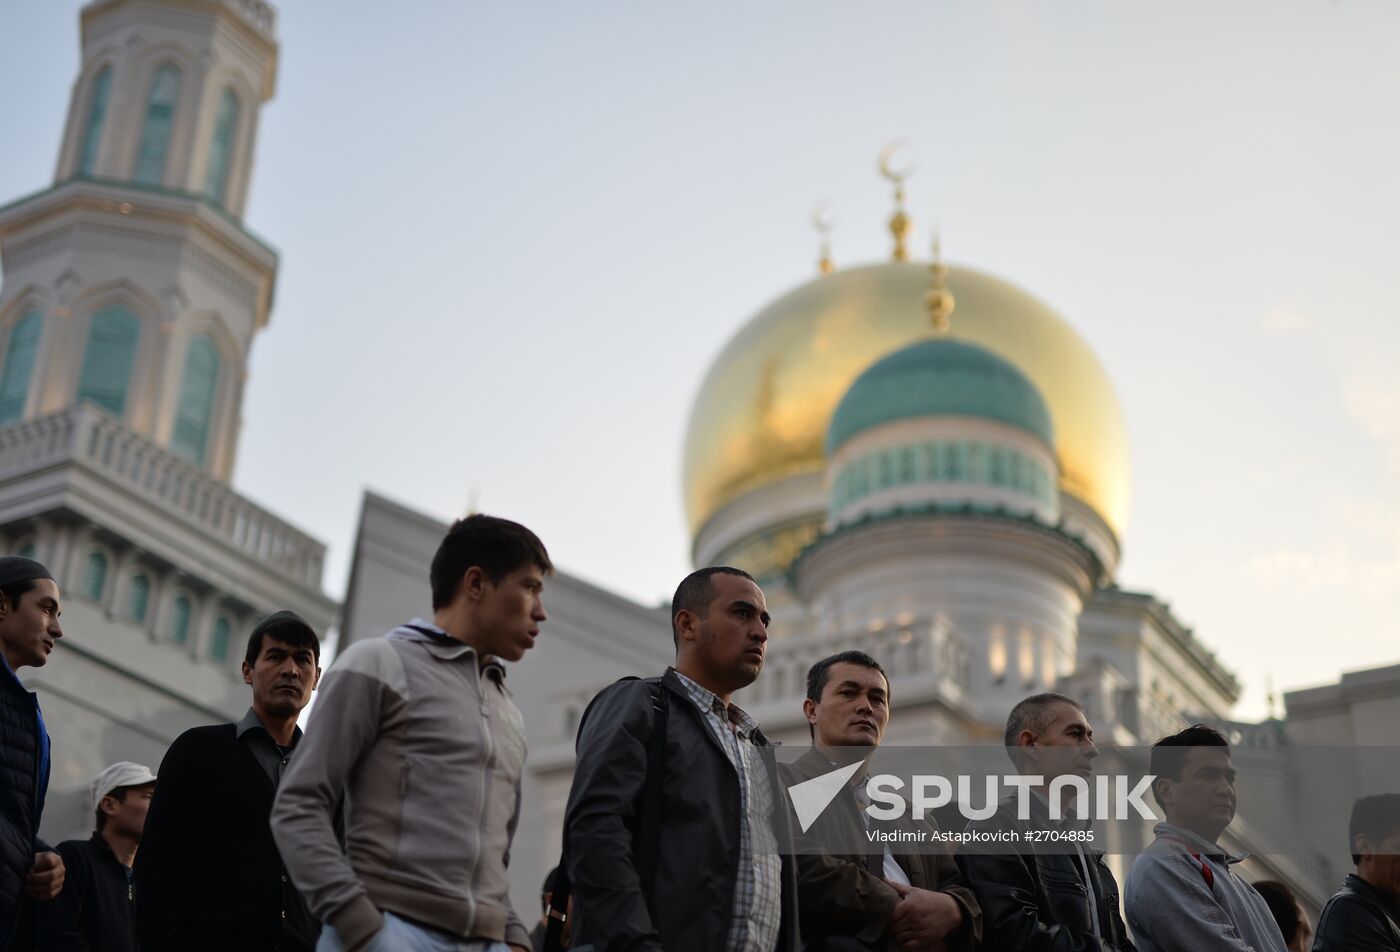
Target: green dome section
[(939, 377)]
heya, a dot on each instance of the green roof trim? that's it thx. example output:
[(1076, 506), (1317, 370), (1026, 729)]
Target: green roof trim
[(939, 377)]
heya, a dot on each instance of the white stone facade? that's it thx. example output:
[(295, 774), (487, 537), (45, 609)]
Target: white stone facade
[(164, 568)]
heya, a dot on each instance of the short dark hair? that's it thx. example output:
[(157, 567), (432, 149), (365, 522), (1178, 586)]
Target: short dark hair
[(1168, 757), (1377, 817), (1030, 714), (286, 627), (15, 590), (696, 591), (118, 794), (820, 673), (496, 546), (1282, 904)]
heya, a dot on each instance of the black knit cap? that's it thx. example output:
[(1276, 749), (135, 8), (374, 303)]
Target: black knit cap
[(16, 568)]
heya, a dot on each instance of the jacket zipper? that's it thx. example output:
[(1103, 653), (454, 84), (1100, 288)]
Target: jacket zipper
[(489, 745)]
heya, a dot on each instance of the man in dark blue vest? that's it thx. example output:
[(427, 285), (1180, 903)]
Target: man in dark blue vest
[(29, 628)]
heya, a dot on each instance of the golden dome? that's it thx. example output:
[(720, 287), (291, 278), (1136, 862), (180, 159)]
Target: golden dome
[(763, 408)]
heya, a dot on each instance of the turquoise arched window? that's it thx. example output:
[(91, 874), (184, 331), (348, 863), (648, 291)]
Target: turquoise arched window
[(218, 642), (221, 148), (196, 409), (97, 111), (95, 577), (138, 598), (180, 620), (160, 118), (23, 347), (110, 355)]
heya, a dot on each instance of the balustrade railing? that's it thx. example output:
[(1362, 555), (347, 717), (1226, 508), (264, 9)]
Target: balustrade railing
[(89, 437)]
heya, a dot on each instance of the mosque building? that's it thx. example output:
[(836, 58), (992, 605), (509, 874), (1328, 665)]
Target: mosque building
[(914, 458)]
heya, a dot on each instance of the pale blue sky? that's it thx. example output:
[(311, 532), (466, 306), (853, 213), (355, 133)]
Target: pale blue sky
[(513, 235)]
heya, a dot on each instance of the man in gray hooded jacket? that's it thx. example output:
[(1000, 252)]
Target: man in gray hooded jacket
[(430, 748), (1182, 894)]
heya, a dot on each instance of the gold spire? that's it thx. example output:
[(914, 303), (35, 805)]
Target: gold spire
[(901, 225), (822, 222), (939, 300), (1270, 698)]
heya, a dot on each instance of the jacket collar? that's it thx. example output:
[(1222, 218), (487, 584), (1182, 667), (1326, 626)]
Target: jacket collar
[(444, 647), (672, 681), (1364, 889), (1198, 844)]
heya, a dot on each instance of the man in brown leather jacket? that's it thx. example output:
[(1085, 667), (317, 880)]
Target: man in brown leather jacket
[(848, 896)]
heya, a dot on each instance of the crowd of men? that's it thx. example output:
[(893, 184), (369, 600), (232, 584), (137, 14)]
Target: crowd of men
[(388, 826)]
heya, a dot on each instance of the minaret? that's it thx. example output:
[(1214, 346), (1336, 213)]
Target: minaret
[(130, 297), (131, 283)]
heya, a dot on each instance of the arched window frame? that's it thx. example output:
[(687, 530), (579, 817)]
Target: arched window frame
[(223, 146), (118, 365), (192, 431), (181, 610), (220, 638), (17, 371), (94, 119), (158, 123), (138, 597), (95, 575)]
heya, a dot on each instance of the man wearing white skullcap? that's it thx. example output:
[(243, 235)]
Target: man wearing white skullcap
[(95, 913)]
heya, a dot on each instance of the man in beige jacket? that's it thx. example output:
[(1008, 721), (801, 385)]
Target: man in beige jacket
[(429, 747)]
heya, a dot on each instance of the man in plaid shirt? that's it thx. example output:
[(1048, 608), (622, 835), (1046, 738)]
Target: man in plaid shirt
[(719, 883)]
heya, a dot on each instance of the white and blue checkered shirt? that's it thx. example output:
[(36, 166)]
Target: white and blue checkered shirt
[(758, 907)]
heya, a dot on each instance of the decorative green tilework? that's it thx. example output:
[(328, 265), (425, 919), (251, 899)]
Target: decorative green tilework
[(942, 461)]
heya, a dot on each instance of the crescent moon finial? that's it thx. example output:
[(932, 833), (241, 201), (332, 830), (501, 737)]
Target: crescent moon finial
[(901, 225), (897, 175)]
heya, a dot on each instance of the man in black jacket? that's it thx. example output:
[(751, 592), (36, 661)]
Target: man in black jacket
[(208, 875), (94, 912), (29, 629), (1364, 916), (711, 879), (1039, 899)]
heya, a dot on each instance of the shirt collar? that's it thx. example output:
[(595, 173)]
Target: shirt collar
[(708, 702), (1199, 844), (250, 722)]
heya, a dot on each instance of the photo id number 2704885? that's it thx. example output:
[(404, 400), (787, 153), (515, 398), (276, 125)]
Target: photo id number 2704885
[(1060, 836)]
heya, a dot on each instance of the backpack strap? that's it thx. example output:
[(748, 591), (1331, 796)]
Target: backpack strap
[(646, 837)]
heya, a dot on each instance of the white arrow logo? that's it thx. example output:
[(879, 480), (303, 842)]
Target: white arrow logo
[(811, 797)]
